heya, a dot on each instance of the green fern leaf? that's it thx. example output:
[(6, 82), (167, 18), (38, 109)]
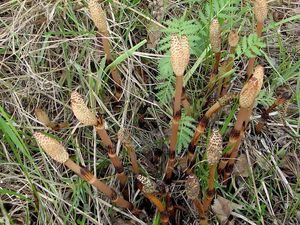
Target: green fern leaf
[(185, 132)]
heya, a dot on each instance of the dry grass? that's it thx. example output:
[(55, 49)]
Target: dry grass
[(49, 48)]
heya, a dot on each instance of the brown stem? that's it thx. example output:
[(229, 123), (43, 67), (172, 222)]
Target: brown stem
[(132, 156), (199, 207), (174, 129), (214, 73), (170, 207), (185, 103), (211, 187), (201, 128), (265, 116), (236, 135), (160, 207), (259, 28), (224, 84), (216, 66), (113, 157), (86, 175), (229, 167)]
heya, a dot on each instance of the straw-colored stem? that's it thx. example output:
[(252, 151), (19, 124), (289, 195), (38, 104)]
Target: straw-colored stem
[(174, 129), (211, 187), (86, 175), (113, 158), (202, 126)]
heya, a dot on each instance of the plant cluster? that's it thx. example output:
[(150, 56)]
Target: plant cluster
[(180, 44)]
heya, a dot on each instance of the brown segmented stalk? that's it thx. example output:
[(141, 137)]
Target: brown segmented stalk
[(114, 158), (192, 189), (215, 42), (170, 207), (99, 18), (148, 188), (281, 99), (125, 139), (233, 40), (85, 116), (202, 126), (185, 103), (57, 152), (180, 54), (261, 12), (214, 151), (247, 98)]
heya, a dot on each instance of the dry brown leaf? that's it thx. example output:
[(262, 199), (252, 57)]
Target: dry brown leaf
[(241, 167), (223, 208)]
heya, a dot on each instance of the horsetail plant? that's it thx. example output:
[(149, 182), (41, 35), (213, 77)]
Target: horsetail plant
[(98, 16), (86, 117), (125, 139), (202, 126), (215, 42), (192, 189), (214, 151), (233, 40), (180, 55), (260, 9), (247, 98), (148, 188), (57, 152)]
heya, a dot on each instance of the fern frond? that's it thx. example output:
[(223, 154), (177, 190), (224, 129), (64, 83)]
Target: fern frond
[(180, 26), (185, 132), (250, 46), (221, 9), (166, 81)]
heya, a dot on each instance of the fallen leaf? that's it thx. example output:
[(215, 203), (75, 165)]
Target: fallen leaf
[(241, 167), (223, 208)]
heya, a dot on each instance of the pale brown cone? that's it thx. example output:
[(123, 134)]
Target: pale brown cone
[(52, 147), (180, 54), (192, 187), (81, 111), (98, 16), (233, 39), (259, 75), (215, 36), (42, 116), (252, 88), (260, 10), (214, 149), (148, 185)]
